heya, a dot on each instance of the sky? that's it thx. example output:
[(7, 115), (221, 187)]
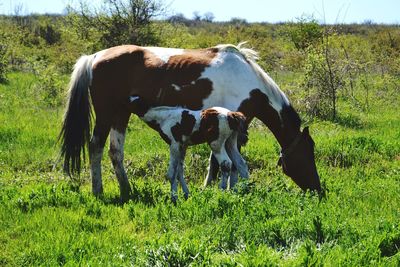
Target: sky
[(325, 11)]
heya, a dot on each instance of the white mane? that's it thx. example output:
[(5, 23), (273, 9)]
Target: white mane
[(248, 53)]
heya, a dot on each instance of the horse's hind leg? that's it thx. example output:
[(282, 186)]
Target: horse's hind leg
[(116, 153), (96, 148)]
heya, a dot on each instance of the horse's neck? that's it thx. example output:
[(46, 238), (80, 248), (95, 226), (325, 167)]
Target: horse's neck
[(285, 126)]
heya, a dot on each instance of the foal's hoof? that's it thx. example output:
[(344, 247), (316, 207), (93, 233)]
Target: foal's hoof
[(174, 199), (223, 186)]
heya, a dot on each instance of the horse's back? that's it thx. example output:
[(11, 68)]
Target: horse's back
[(195, 78), (166, 76)]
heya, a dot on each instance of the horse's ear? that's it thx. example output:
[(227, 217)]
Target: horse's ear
[(306, 131)]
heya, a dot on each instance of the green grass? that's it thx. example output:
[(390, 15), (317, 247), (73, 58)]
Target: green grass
[(47, 220)]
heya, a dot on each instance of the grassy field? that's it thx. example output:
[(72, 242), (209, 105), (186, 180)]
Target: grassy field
[(47, 219)]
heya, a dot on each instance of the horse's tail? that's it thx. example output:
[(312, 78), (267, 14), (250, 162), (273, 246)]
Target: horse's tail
[(237, 122), (75, 131)]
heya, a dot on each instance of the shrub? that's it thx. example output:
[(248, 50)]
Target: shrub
[(305, 33), (50, 84), (3, 58), (322, 79), (3, 63), (119, 22), (48, 32)]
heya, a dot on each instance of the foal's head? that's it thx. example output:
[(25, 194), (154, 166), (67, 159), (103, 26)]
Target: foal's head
[(138, 105)]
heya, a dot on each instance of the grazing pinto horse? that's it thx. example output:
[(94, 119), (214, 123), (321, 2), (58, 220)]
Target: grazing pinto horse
[(181, 127), (225, 76)]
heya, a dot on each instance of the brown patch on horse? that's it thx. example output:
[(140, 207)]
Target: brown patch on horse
[(183, 72), (184, 127), (128, 70), (235, 120), (209, 127)]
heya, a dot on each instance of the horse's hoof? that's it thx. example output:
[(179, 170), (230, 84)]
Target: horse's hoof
[(124, 197)]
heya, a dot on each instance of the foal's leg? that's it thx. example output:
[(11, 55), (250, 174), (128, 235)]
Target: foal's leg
[(174, 161), (180, 171), (116, 153), (233, 177), (223, 159), (96, 148), (213, 168)]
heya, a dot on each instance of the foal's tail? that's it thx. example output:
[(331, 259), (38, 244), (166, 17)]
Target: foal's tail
[(75, 131), (237, 122)]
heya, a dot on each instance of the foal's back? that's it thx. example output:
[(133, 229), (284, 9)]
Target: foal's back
[(194, 127)]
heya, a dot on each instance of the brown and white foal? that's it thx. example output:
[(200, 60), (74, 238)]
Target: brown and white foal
[(181, 127)]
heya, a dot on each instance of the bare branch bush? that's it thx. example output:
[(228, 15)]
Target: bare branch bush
[(118, 21)]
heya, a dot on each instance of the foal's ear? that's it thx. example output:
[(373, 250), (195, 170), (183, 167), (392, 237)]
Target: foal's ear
[(133, 98)]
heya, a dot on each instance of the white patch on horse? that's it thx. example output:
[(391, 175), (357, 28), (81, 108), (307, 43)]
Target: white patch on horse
[(117, 141), (164, 53), (176, 87), (221, 110), (233, 76)]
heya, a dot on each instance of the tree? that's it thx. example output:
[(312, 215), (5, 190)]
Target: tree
[(304, 33), (120, 21), (323, 70), (196, 16), (178, 18), (208, 16)]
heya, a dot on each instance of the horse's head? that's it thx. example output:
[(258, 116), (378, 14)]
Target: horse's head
[(297, 161)]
